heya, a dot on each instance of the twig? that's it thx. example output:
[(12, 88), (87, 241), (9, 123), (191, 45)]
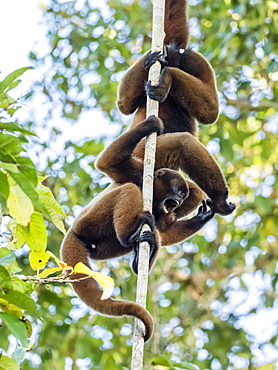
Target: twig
[(56, 279)]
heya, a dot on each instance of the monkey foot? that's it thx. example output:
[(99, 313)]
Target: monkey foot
[(222, 207)]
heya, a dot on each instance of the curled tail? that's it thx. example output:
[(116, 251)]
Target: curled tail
[(72, 252), (175, 23)]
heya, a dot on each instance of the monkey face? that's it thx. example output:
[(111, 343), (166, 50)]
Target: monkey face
[(170, 190)]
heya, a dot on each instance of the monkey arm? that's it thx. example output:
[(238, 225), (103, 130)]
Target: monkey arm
[(193, 200), (129, 218), (117, 160), (197, 96), (192, 87), (181, 230), (183, 151), (131, 91)]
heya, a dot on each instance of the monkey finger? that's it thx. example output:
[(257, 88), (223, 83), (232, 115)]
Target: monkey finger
[(209, 202), (151, 59)]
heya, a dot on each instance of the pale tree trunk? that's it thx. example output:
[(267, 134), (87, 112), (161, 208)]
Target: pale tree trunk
[(144, 250)]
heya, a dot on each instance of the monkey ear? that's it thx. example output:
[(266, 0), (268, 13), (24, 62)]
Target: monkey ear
[(159, 173)]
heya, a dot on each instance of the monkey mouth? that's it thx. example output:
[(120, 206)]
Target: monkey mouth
[(171, 204)]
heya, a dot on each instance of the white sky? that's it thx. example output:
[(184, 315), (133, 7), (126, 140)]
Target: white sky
[(20, 30)]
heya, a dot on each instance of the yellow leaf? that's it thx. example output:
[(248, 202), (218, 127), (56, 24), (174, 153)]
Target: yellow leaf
[(38, 260), (106, 282), (62, 266), (19, 205), (49, 271)]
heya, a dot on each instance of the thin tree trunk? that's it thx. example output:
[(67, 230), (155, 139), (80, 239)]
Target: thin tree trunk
[(152, 109)]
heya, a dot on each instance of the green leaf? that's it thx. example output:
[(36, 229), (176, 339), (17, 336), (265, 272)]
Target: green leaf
[(16, 327), (36, 236), (20, 300), (7, 83), (160, 361), (4, 189), (10, 144), (185, 365), (54, 209), (6, 257), (5, 278), (9, 167), (6, 101), (19, 234), (7, 363), (12, 127)]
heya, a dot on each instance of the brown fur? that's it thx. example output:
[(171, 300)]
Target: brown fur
[(187, 89), (110, 225), (187, 93)]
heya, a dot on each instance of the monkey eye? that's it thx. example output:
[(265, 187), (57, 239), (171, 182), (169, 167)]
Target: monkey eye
[(181, 189)]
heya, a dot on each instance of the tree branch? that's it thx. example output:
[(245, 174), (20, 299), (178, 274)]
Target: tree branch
[(247, 104), (144, 250)]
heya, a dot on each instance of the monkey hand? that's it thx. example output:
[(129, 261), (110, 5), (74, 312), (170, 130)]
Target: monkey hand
[(151, 58), (147, 236), (204, 213), (150, 125), (160, 92)]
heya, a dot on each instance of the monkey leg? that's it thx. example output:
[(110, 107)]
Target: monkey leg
[(129, 219), (131, 91), (183, 151), (127, 213)]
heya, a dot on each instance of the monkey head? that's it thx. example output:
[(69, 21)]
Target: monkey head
[(170, 190)]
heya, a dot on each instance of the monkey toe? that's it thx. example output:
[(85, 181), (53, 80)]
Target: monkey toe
[(148, 236), (155, 92), (135, 263)]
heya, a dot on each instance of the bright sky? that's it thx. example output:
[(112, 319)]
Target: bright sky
[(20, 30)]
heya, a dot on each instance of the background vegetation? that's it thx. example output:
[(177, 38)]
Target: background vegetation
[(214, 297)]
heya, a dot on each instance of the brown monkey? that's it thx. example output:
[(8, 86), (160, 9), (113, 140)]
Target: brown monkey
[(187, 89), (187, 93), (110, 225)]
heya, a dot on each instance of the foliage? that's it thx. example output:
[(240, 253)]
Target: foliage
[(213, 298), (25, 200)]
